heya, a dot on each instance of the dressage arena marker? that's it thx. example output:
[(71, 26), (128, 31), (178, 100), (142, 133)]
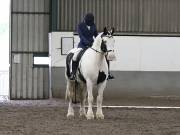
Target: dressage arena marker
[(142, 107)]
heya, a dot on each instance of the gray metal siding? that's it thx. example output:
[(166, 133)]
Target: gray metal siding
[(30, 5), (29, 82), (134, 16), (160, 16), (29, 35), (30, 32)]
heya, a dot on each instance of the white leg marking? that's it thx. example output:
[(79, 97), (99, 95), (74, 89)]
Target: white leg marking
[(82, 110), (90, 114), (99, 113), (70, 113)]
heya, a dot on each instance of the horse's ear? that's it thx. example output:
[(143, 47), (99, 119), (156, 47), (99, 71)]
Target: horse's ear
[(105, 31), (113, 30)]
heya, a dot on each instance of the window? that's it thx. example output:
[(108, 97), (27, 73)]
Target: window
[(41, 60), (67, 43)]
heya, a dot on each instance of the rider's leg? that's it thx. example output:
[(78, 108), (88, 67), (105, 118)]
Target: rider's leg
[(75, 63), (110, 76)]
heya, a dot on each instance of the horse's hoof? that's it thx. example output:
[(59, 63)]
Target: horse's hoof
[(90, 116), (70, 116), (82, 113), (100, 116), (82, 116)]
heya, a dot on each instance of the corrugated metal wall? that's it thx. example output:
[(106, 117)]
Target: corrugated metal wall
[(134, 16), (29, 32), (29, 36)]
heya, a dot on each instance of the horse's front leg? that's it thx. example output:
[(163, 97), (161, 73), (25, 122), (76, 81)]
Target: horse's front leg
[(82, 110), (99, 113), (90, 114), (70, 113)]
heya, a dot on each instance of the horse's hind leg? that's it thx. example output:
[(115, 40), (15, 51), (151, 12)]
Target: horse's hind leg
[(99, 113), (69, 95), (89, 86), (82, 111)]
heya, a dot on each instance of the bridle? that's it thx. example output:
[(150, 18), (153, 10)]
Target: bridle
[(103, 52)]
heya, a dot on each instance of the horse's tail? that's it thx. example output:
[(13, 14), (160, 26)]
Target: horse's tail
[(69, 90), (67, 75), (72, 92), (75, 99), (67, 94), (68, 63), (72, 86)]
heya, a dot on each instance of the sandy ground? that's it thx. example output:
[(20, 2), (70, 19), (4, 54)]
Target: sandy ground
[(48, 117)]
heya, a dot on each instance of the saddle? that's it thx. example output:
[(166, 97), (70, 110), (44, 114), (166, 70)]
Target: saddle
[(68, 61), (80, 55)]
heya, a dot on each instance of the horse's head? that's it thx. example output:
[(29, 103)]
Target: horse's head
[(104, 43), (107, 44)]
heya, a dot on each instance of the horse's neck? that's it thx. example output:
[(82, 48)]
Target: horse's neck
[(96, 53), (96, 56), (97, 43), (97, 48)]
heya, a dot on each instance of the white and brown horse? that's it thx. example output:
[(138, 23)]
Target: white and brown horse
[(92, 71)]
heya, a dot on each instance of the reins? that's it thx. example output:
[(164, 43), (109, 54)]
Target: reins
[(95, 50), (101, 52)]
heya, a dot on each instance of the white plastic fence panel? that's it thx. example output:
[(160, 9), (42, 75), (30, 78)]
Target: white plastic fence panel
[(4, 83)]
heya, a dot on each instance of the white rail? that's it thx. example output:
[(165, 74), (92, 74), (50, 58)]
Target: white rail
[(4, 83)]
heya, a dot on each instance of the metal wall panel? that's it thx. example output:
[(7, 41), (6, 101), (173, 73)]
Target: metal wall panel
[(30, 32), (29, 82), (30, 5), (160, 16), (127, 16), (119, 13), (29, 36)]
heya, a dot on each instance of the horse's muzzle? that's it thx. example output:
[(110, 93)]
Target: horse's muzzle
[(111, 56)]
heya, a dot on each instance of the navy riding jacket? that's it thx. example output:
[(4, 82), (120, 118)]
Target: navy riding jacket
[(86, 35)]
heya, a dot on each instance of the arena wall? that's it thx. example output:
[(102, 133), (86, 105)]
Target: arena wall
[(145, 66)]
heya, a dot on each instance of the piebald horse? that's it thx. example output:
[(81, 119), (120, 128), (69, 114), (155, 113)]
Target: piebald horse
[(92, 71)]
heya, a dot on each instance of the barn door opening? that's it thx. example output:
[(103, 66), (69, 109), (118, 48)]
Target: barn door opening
[(4, 49)]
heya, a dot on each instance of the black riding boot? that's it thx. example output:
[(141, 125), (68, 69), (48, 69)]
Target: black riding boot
[(74, 68), (110, 76)]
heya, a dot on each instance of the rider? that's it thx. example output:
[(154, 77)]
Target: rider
[(86, 30)]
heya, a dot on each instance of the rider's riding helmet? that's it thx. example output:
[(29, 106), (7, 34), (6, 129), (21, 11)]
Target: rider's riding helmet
[(89, 19)]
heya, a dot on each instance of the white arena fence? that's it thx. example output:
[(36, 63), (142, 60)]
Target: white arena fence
[(4, 83)]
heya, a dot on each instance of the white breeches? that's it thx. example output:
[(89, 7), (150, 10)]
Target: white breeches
[(76, 52)]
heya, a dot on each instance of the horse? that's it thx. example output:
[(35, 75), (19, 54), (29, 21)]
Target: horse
[(92, 71)]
